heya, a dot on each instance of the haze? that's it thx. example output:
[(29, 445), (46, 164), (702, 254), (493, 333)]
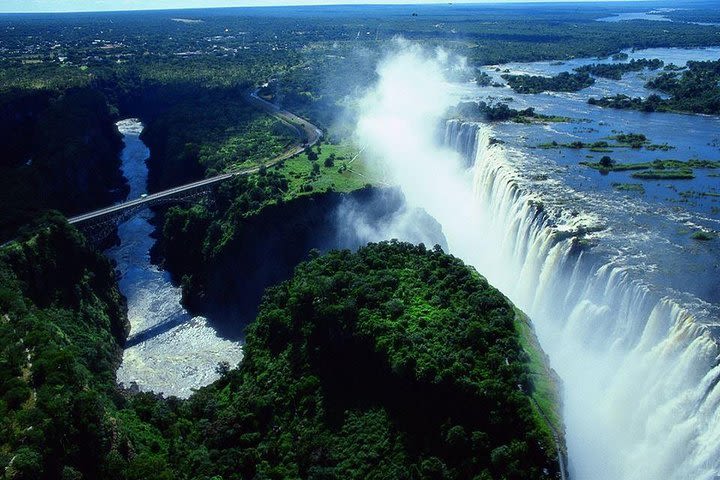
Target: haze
[(37, 6)]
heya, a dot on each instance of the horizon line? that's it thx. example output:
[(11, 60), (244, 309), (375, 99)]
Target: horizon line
[(320, 5)]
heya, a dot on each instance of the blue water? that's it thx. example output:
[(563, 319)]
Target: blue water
[(652, 230), (656, 15), (169, 350), (691, 136)]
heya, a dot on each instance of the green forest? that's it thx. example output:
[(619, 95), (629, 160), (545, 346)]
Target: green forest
[(62, 328), (694, 90), (395, 362), (194, 238), (462, 386)]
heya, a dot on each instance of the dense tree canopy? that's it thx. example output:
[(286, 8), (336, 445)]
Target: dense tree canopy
[(394, 362), (562, 82), (63, 322), (694, 90)]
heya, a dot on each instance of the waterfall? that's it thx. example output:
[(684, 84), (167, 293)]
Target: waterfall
[(640, 372), (462, 137)]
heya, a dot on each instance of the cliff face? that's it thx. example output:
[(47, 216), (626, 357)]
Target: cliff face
[(62, 325), (19, 112), (77, 148), (63, 154), (267, 246)]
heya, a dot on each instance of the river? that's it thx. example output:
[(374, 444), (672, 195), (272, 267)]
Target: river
[(624, 300), (651, 227), (168, 351), (172, 352)]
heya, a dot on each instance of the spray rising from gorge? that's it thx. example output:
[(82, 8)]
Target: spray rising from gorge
[(639, 371)]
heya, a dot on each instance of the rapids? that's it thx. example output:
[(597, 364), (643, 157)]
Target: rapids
[(168, 351), (639, 369), (623, 301)]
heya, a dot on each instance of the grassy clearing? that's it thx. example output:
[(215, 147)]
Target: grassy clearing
[(664, 175), (693, 194), (656, 170), (247, 145), (539, 118), (632, 141), (338, 168)]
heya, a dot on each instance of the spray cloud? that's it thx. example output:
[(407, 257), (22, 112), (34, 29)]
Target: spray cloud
[(397, 125), (641, 385)]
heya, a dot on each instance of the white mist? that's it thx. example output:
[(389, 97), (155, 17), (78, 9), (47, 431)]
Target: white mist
[(640, 376)]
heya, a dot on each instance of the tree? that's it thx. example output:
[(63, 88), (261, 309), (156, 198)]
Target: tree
[(607, 162), (26, 463), (312, 156)]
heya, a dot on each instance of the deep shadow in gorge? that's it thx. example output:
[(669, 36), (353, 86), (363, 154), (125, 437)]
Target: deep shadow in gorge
[(272, 243)]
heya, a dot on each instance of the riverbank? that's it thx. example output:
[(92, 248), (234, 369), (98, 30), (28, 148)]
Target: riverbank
[(228, 285), (269, 244), (168, 350)]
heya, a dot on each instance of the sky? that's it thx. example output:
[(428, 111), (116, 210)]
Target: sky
[(27, 6)]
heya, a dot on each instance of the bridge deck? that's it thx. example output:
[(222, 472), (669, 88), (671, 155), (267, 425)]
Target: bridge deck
[(312, 134)]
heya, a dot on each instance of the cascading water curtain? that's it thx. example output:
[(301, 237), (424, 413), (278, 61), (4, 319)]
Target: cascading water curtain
[(640, 376)]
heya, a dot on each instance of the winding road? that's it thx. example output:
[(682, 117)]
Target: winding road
[(307, 132)]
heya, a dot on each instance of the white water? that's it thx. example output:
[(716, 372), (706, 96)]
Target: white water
[(169, 351), (640, 375), (462, 137)]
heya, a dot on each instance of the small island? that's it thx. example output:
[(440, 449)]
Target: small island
[(563, 82), (621, 140), (656, 170), (693, 90), (615, 71), (501, 112)]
